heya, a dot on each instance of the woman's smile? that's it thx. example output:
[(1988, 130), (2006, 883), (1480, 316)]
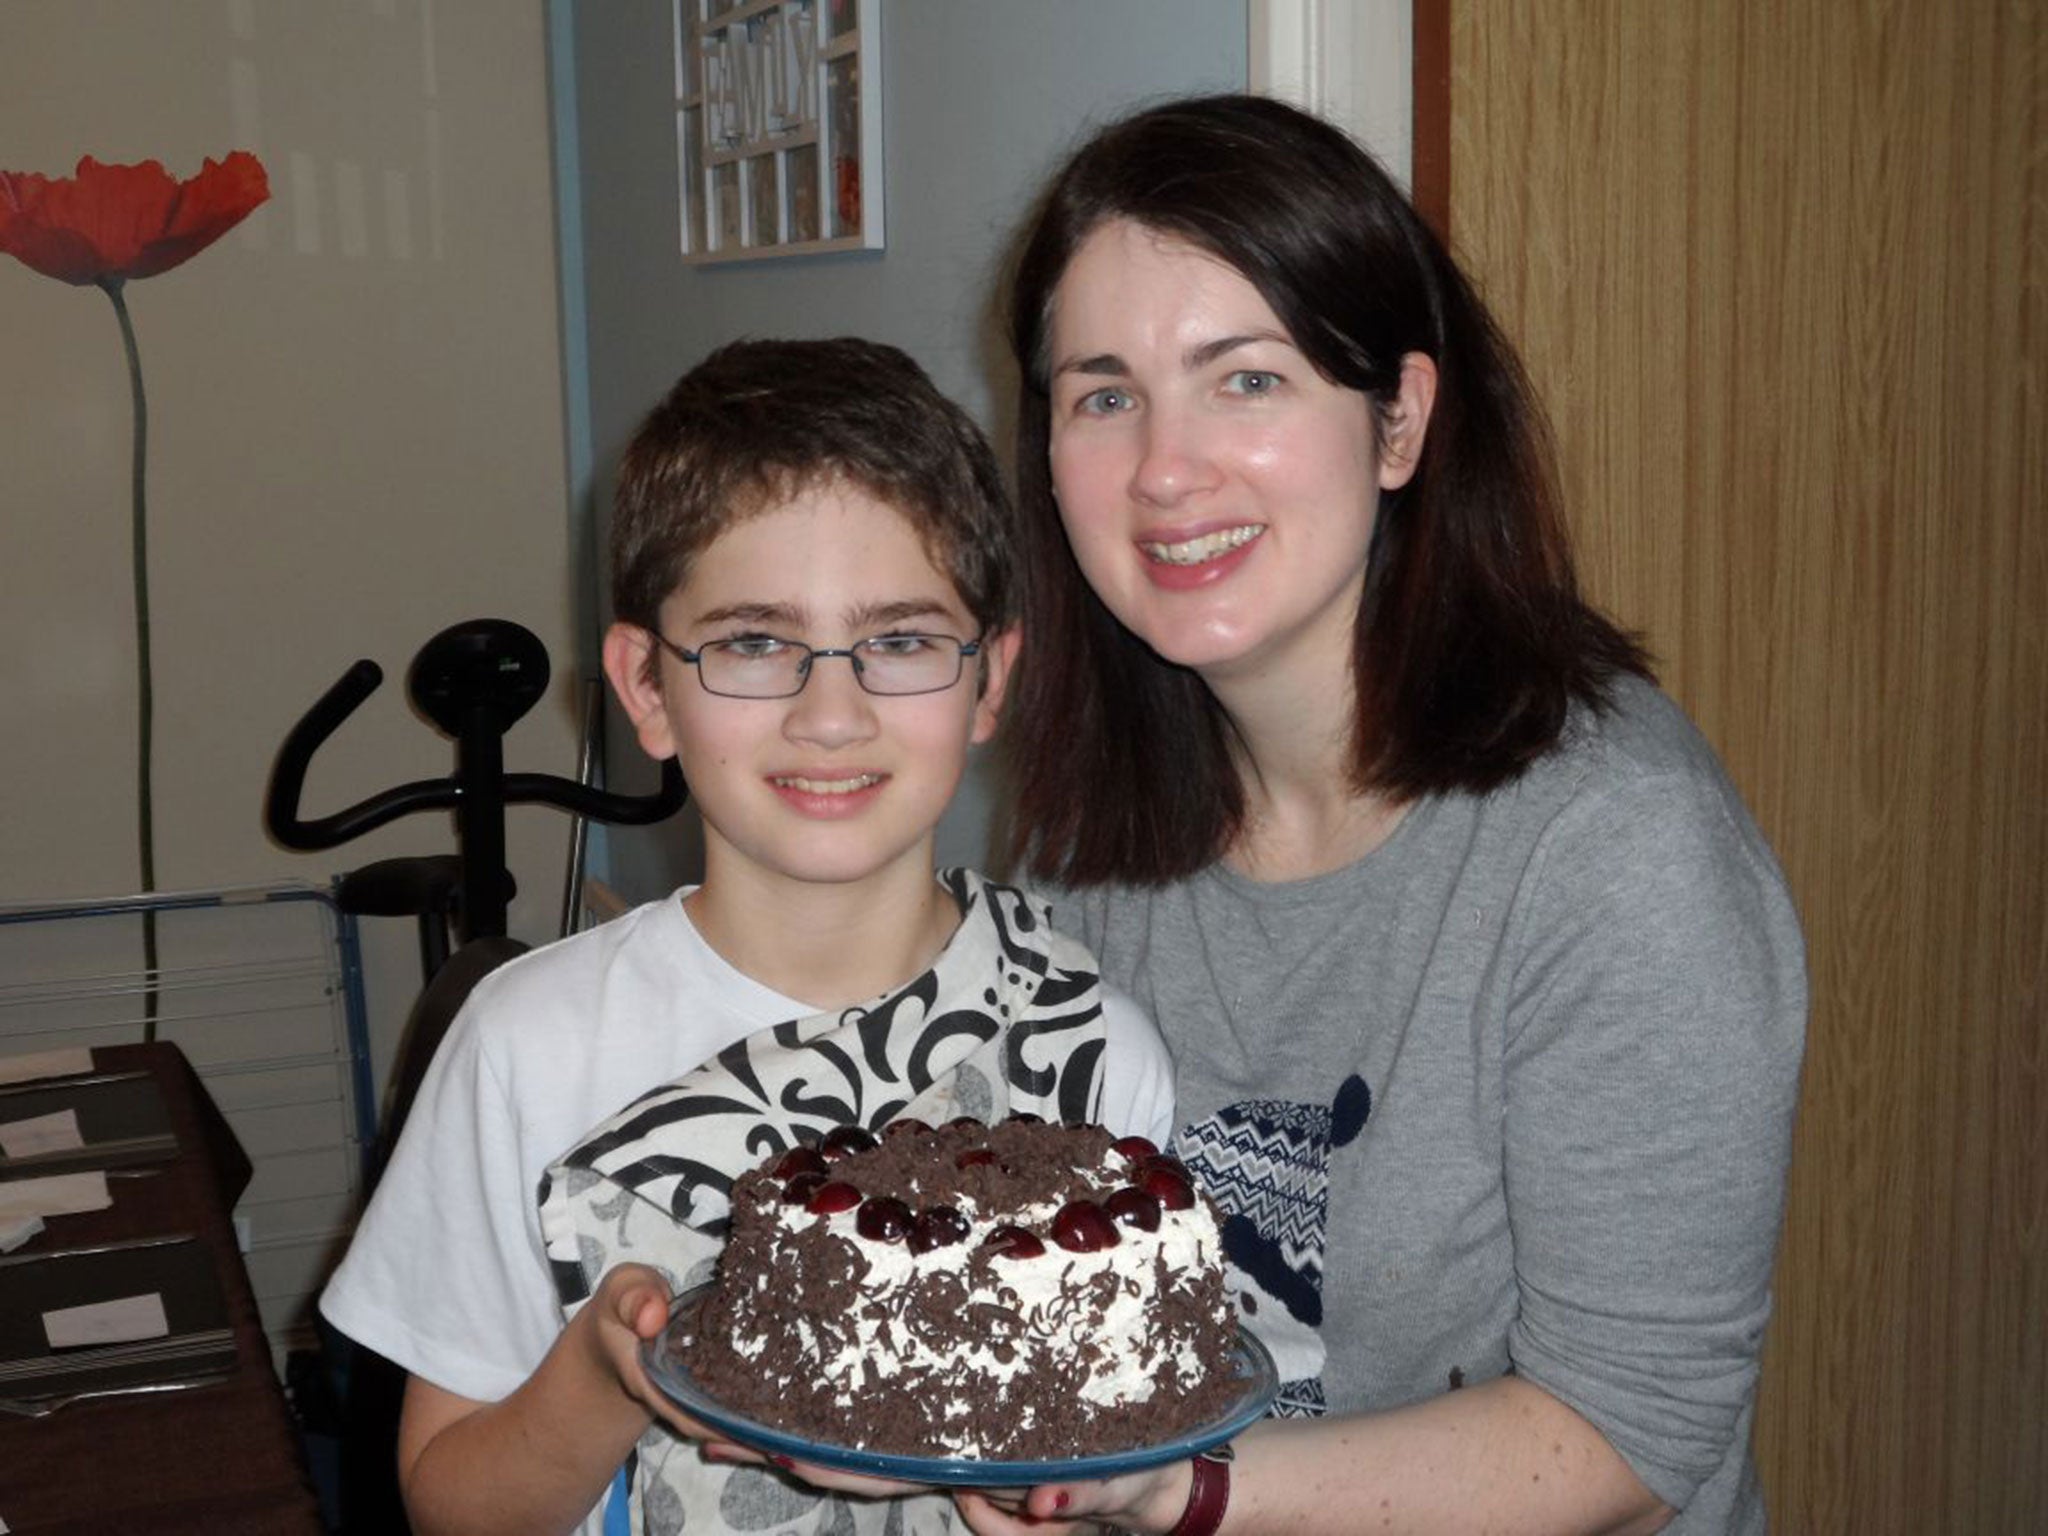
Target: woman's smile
[(1202, 548)]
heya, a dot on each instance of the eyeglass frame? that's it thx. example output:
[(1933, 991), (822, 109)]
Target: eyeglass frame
[(967, 649)]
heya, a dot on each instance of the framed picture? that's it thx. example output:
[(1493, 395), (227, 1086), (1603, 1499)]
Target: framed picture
[(778, 127)]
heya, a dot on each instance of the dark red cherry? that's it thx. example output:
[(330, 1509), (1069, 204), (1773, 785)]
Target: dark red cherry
[(908, 1126), (937, 1226), (1134, 1208), (1013, 1243), (799, 1190), (974, 1157), (1170, 1186), (799, 1160), (845, 1142), (1136, 1148), (833, 1195), (1025, 1117), (884, 1219), (1082, 1226)]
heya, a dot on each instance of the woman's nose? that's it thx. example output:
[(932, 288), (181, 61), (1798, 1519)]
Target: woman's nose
[(1171, 460), (833, 710)]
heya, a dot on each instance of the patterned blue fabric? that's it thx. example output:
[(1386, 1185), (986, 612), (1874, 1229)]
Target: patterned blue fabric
[(1266, 1163)]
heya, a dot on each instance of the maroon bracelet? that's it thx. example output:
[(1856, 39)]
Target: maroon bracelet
[(1208, 1494)]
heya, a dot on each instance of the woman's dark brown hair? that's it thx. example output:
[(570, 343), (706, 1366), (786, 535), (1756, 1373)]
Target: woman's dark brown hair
[(1472, 642)]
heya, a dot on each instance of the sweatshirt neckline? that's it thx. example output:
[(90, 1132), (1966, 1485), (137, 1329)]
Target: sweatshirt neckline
[(1315, 888)]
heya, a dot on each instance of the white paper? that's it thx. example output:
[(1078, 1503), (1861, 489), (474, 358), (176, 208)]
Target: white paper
[(16, 1230), (108, 1322), (66, 1061), (56, 1132), (56, 1194)]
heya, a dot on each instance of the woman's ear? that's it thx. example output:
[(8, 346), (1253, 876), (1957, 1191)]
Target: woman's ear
[(1404, 423), (998, 656), (633, 668)]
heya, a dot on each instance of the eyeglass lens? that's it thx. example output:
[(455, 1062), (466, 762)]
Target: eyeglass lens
[(884, 664)]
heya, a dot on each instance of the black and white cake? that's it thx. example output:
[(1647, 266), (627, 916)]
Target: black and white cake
[(1021, 1291)]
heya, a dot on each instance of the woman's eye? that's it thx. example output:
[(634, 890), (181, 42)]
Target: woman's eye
[(1252, 381), (1106, 401)]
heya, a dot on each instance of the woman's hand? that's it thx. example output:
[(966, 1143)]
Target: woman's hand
[(1051, 1509), (1143, 1501)]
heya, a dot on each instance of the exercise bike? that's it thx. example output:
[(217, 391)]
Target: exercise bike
[(473, 681)]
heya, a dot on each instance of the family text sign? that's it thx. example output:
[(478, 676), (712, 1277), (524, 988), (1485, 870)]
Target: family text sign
[(778, 127)]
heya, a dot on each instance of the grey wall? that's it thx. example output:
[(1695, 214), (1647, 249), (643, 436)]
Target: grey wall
[(981, 98)]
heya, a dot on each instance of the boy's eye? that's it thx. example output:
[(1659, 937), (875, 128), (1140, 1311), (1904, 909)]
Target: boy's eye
[(899, 645), (752, 647), (1252, 381)]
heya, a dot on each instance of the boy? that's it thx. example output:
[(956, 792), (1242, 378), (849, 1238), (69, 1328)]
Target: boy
[(821, 539)]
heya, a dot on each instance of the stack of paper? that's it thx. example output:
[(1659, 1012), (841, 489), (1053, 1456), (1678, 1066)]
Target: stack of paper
[(119, 1317), (102, 1120), (28, 1066)]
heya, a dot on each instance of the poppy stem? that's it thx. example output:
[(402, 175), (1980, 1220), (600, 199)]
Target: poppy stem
[(145, 691)]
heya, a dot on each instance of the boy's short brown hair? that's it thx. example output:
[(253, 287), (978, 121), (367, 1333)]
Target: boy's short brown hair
[(757, 423)]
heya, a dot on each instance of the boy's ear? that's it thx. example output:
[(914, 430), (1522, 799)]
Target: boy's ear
[(632, 667), (998, 655)]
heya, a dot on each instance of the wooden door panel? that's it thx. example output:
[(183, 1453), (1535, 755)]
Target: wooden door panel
[(1781, 273)]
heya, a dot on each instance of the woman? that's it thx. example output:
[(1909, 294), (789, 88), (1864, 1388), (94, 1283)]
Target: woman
[(1486, 993)]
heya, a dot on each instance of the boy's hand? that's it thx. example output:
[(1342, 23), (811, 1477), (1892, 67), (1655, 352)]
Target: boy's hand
[(630, 1307), (854, 1484)]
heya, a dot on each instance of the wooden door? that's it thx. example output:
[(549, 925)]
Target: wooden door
[(1781, 273)]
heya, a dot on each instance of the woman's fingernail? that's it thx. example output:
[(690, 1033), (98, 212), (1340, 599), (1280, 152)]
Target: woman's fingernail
[(787, 1463), (1062, 1499)]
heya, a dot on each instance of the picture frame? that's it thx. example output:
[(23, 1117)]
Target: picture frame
[(778, 128)]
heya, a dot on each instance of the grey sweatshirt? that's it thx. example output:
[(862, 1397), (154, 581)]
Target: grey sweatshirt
[(1514, 1092)]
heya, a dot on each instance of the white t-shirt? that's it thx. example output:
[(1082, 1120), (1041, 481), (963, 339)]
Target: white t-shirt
[(447, 1274)]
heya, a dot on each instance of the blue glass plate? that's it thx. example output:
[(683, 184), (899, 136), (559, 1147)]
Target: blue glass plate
[(665, 1368)]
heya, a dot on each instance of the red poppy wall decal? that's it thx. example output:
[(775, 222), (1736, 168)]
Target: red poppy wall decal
[(101, 227)]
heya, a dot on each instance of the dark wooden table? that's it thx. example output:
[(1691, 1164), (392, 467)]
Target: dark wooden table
[(222, 1460)]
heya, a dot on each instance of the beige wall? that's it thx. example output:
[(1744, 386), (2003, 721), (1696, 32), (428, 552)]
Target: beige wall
[(355, 431)]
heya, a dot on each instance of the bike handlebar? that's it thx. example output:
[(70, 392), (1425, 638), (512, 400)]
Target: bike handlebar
[(288, 779)]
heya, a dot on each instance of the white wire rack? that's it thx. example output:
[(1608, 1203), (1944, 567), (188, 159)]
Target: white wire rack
[(261, 987)]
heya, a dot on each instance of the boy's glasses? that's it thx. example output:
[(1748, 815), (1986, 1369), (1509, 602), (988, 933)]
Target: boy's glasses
[(763, 667)]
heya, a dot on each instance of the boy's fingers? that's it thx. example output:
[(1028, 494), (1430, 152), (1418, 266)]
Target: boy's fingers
[(649, 1314), (638, 1297), (854, 1483)]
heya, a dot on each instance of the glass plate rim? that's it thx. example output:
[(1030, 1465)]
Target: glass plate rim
[(1254, 1364)]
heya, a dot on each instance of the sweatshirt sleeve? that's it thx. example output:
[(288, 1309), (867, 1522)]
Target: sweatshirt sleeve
[(1654, 1037)]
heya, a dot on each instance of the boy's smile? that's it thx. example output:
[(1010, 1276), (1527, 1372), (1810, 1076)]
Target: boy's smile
[(832, 785)]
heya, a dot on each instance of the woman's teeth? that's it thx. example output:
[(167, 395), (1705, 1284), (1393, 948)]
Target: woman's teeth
[(1207, 547), (829, 786)]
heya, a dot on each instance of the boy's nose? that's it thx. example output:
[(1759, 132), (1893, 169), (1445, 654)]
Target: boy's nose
[(833, 709)]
